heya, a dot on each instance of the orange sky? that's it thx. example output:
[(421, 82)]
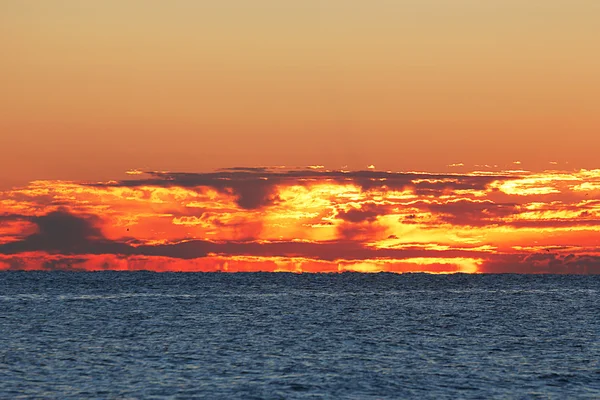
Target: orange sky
[(496, 101), (90, 89)]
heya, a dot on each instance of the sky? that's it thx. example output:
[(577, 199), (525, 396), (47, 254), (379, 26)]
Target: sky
[(308, 220), (456, 102)]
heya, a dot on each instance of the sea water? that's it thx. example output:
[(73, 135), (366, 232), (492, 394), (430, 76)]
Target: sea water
[(269, 336)]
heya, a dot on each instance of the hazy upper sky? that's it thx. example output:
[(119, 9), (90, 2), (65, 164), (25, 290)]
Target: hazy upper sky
[(91, 89)]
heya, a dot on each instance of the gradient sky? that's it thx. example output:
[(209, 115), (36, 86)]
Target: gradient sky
[(91, 89), (132, 132)]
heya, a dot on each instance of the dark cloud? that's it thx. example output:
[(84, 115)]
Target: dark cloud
[(245, 169), (330, 250), (71, 236), (256, 187), (360, 223), (14, 217), (63, 233), (15, 263), (256, 194), (554, 223), (367, 212), (435, 188), (411, 219), (480, 213), (64, 263), (543, 263), (63, 226), (363, 231), (469, 212)]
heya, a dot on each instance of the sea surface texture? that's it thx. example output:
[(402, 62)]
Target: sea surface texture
[(268, 336)]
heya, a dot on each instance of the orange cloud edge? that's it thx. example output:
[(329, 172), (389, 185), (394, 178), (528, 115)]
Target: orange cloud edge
[(307, 220)]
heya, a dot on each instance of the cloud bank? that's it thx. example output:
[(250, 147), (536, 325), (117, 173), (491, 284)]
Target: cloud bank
[(313, 220)]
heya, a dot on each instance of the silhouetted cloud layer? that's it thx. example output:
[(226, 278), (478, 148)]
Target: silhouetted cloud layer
[(254, 187), (314, 220)]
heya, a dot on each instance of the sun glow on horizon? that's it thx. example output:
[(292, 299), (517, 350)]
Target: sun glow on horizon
[(313, 220)]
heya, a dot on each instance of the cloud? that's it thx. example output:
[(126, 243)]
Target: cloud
[(360, 223), (14, 217), (63, 232), (554, 223), (325, 250), (255, 188), (367, 212), (249, 187), (245, 169), (543, 263), (70, 240), (63, 263), (362, 232), (365, 220), (470, 212), (63, 226)]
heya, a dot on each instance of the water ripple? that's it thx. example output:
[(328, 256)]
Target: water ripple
[(269, 336)]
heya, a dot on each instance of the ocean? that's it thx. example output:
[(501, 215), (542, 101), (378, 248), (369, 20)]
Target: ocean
[(72, 335)]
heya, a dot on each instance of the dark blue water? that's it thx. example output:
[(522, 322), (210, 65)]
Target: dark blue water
[(146, 335)]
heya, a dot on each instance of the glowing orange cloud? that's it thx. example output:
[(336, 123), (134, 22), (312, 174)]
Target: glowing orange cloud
[(313, 220)]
